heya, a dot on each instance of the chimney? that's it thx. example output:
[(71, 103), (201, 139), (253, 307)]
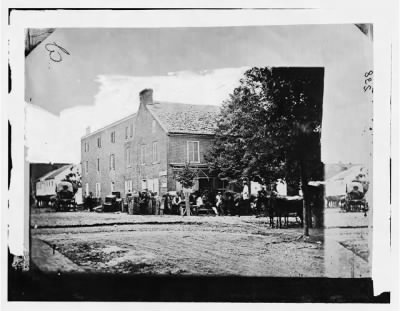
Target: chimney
[(146, 97), (88, 130)]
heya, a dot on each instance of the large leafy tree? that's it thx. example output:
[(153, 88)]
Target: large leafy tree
[(269, 128)]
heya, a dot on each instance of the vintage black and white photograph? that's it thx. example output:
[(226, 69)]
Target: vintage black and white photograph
[(200, 153)]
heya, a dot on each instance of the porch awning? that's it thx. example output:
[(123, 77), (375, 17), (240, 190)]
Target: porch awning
[(202, 169)]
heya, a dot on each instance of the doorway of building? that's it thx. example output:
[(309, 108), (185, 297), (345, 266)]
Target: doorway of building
[(206, 184)]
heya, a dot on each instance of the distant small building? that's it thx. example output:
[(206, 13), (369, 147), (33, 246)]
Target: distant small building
[(46, 185), (36, 171), (337, 184), (145, 150)]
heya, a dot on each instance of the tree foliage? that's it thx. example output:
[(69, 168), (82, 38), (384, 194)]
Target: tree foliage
[(269, 128), (186, 176)]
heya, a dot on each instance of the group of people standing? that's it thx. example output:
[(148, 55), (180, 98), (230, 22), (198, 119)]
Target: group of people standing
[(262, 204), (174, 203), (227, 203), (147, 203)]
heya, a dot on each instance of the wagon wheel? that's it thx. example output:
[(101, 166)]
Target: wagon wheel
[(364, 206), (347, 206)]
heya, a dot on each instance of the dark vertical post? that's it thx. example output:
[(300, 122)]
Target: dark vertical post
[(304, 189)]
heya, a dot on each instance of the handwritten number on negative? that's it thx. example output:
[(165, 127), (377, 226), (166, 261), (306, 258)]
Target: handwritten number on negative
[(54, 49), (367, 87), (369, 73), (367, 81)]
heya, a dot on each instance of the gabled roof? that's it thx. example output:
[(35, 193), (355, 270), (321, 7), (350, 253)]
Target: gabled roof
[(131, 116), (53, 174), (177, 118), (348, 174)]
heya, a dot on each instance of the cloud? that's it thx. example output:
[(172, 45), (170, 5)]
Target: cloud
[(344, 52), (204, 87), (346, 115), (57, 138)]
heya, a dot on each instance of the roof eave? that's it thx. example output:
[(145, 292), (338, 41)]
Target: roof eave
[(189, 133), (109, 126)]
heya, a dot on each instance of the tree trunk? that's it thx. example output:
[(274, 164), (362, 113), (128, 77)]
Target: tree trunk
[(306, 211), (309, 214), (318, 209), (187, 204)]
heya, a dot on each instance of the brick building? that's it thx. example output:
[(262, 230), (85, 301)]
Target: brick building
[(103, 157), (144, 150)]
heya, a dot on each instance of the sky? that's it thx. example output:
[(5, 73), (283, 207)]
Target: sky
[(99, 81)]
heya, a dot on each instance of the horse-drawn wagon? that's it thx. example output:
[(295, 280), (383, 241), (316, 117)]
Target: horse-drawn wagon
[(355, 200), (279, 206), (65, 196)]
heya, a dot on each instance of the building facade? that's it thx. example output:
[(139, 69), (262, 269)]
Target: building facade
[(148, 148), (104, 157)]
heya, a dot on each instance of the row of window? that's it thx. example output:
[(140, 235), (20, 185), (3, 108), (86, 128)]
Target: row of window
[(111, 164), (193, 155), (112, 138), (193, 152), (98, 188), (193, 146), (151, 184), (128, 133)]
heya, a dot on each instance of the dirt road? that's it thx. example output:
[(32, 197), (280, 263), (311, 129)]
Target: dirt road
[(189, 249), (244, 246)]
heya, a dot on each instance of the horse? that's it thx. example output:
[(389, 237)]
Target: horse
[(282, 207)]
